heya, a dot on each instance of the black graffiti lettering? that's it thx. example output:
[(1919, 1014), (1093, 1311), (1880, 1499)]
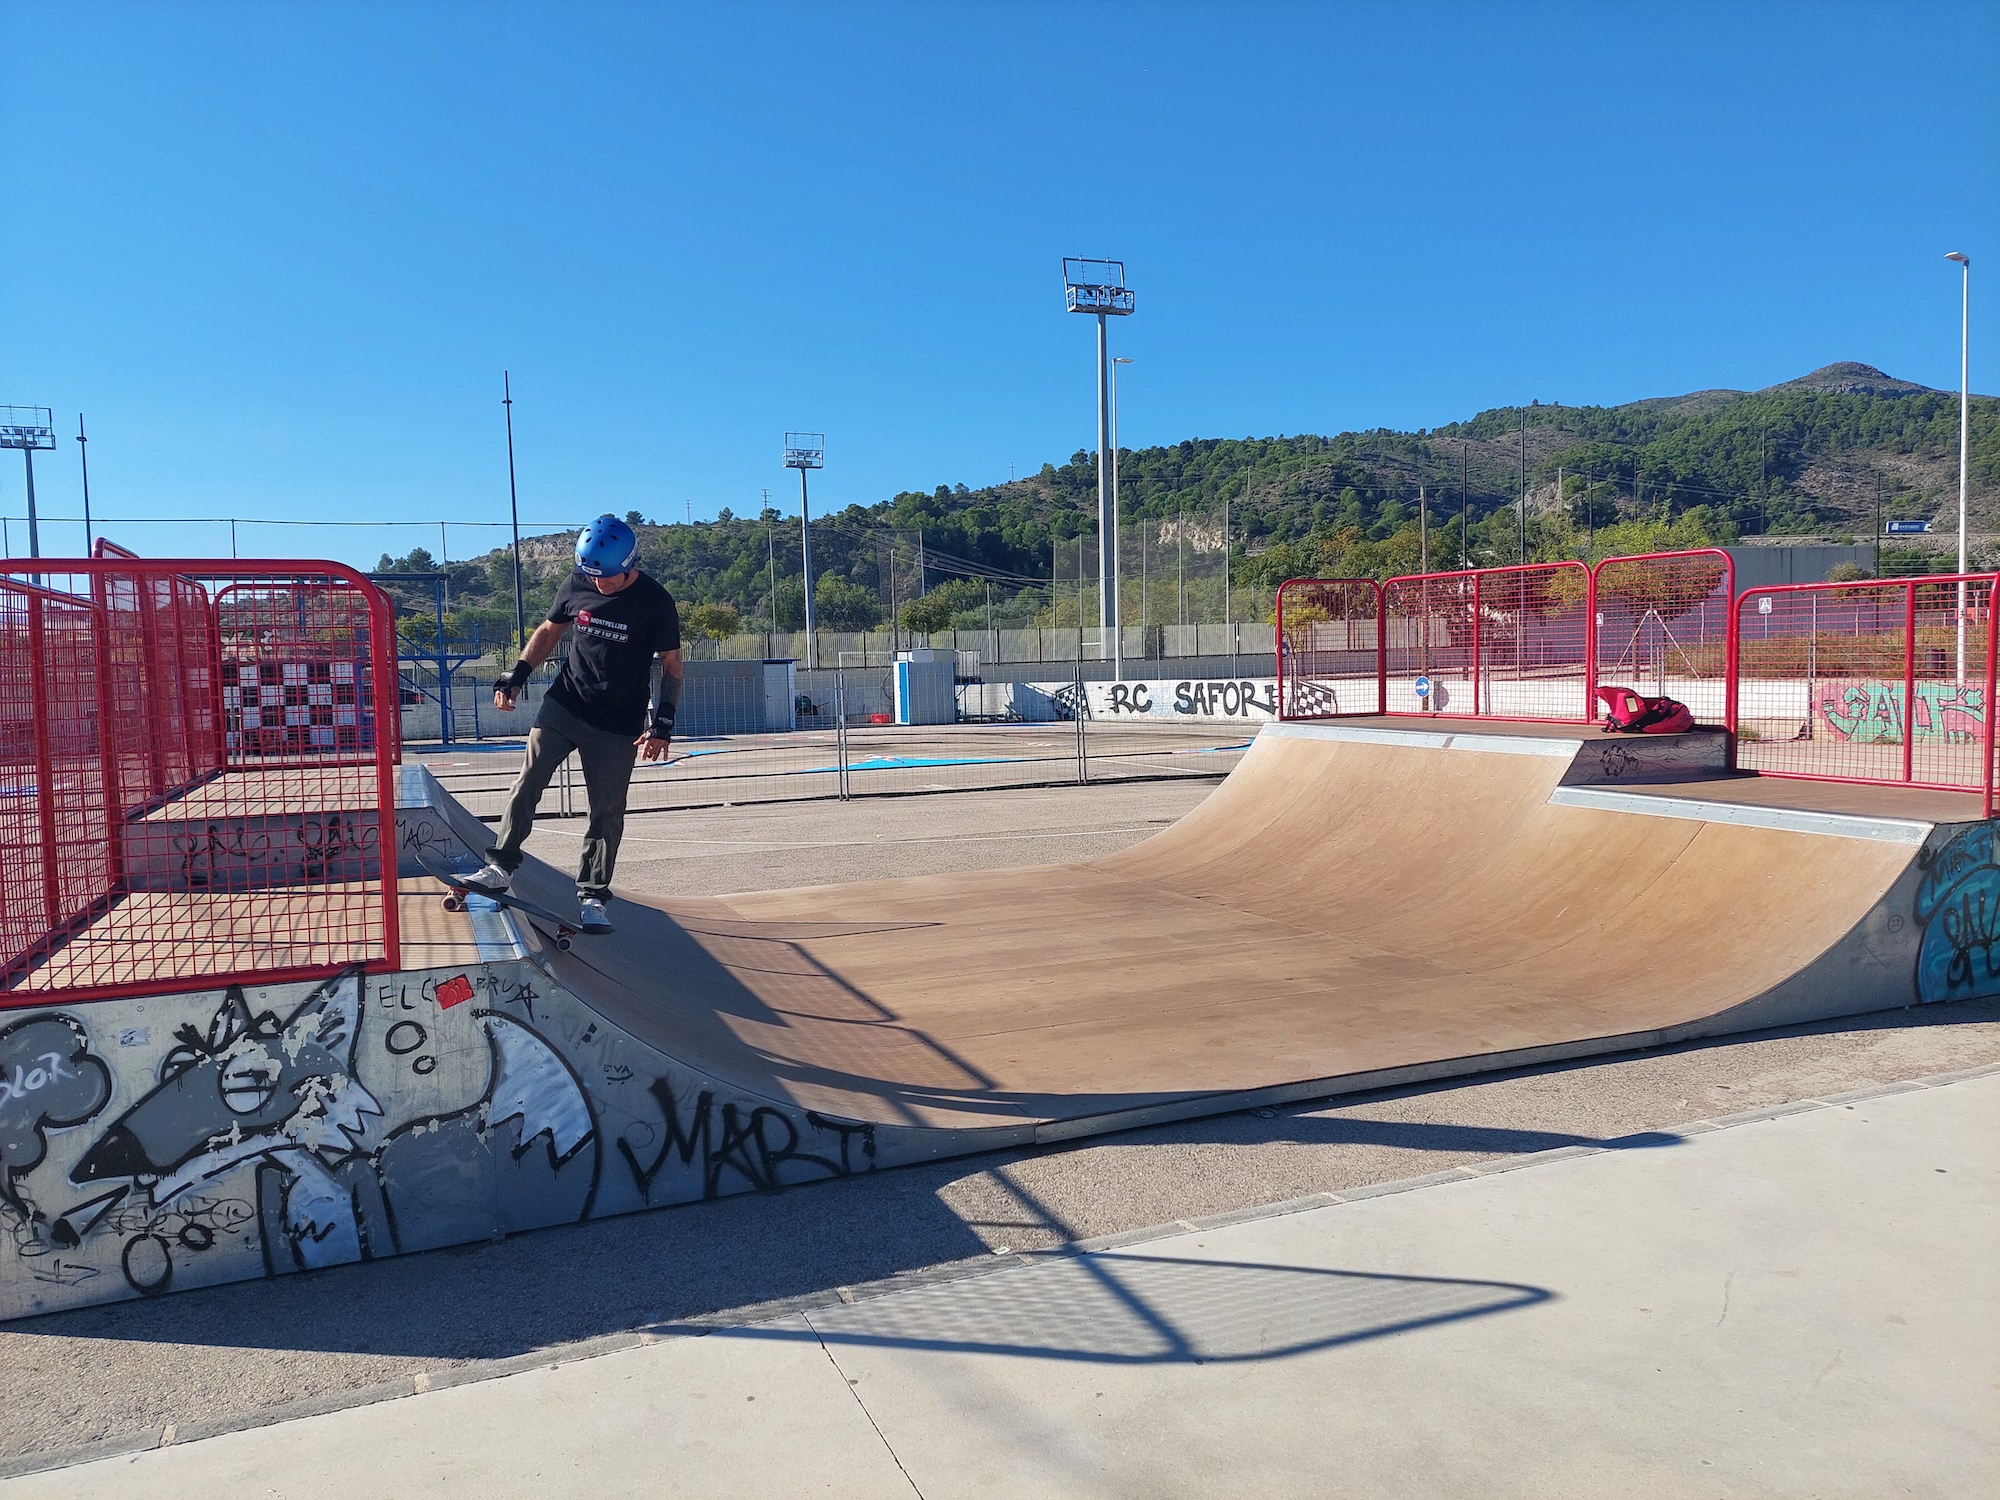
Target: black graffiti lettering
[(1972, 928), (148, 1262), (756, 1144), (848, 1135), (424, 1066), (404, 1038), (1268, 699), (1183, 698), (196, 1236)]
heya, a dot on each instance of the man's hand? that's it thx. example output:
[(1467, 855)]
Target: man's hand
[(652, 746), (503, 700)]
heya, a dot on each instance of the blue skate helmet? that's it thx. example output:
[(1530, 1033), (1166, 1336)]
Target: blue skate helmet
[(606, 546)]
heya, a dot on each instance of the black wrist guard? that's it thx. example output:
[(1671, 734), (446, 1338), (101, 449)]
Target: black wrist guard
[(663, 713), (514, 681)]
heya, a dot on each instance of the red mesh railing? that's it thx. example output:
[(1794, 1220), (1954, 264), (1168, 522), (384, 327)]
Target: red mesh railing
[(1491, 643), (1330, 655), (196, 786), (1663, 628), (1881, 680)]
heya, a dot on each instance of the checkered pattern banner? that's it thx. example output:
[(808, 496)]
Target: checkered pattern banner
[(297, 707)]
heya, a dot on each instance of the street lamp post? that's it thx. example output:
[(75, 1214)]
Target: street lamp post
[(1118, 630), (1964, 430), (1098, 287), (31, 429), (514, 508), (803, 451)]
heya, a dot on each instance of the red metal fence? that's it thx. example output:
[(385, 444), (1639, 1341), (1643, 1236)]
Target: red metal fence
[(1491, 643), (1663, 628), (1881, 680), (1331, 656), (197, 778), (1887, 681)]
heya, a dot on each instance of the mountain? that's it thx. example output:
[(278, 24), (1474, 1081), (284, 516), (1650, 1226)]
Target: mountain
[(1814, 456)]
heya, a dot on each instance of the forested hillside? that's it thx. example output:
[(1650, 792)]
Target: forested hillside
[(1812, 457)]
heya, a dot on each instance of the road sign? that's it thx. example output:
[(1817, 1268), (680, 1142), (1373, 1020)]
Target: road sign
[(1423, 687), (1906, 528)]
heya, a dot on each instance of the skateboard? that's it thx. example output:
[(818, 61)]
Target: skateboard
[(459, 887)]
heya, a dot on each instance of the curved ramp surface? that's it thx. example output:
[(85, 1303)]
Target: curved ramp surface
[(1350, 903)]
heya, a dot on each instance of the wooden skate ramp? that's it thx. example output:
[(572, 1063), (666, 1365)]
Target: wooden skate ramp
[(1347, 905)]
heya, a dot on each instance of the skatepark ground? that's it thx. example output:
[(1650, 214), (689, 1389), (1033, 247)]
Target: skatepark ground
[(114, 1378)]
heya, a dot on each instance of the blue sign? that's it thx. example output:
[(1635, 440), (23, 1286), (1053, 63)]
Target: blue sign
[(1423, 687), (1906, 528)]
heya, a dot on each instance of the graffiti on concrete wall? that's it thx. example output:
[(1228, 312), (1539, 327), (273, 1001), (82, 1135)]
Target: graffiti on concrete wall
[(1871, 712), (1958, 914), (148, 1145)]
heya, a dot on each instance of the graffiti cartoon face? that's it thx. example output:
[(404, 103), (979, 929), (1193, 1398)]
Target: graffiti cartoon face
[(251, 1087)]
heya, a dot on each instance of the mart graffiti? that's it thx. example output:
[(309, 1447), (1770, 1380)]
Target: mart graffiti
[(1869, 711)]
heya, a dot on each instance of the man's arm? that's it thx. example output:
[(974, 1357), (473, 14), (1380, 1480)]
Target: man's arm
[(654, 742), (541, 645)]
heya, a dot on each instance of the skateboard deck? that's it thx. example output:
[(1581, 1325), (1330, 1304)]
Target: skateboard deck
[(459, 887)]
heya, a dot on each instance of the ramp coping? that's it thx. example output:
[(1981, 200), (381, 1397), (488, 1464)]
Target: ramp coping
[(1786, 819), (1557, 748)]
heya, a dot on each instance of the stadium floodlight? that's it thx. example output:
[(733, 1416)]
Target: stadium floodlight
[(803, 451), (29, 428), (1098, 287)]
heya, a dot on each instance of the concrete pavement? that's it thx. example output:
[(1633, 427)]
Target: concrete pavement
[(1794, 1305)]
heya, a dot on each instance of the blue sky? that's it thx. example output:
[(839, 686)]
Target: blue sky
[(279, 254)]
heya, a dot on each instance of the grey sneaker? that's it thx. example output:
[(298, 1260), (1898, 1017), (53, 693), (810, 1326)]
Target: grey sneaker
[(492, 878), (594, 918)]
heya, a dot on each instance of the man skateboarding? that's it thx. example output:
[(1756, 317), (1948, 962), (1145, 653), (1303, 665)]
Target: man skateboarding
[(602, 705)]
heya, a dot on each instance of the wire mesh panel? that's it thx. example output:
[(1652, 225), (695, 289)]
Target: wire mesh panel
[(1330, 643), (196, 786), (1875, 681), (1498, 643), (1663, 627)]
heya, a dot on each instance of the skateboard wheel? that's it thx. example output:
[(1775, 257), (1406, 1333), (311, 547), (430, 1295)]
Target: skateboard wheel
[(454, 903), (563, 943)]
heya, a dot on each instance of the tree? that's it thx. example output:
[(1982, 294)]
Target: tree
[(936, 609), (634, 519), (842, 605), (713, 621)]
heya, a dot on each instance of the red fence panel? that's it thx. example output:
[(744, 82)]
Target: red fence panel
[(196, 786), (1329, 648), (1491, 643), (1879, 680), (1663, 628)]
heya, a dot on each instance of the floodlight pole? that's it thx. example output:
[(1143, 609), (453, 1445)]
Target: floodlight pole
[(514, 504), (806, 450), (1098, 287), (1964, 431), (806, 567), (29, 428)]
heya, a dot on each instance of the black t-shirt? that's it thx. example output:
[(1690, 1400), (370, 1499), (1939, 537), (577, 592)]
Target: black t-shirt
[(608, 679)]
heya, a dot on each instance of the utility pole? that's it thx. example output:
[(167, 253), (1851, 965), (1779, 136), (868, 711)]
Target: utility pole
[(83, 457), (803, 451), (1523, 486), (1464, 541), (1964, 431), (514, 506), (1878, 525), (1423, 532), (771, 552)]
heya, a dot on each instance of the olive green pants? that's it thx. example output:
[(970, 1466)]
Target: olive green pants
[(607, 775)]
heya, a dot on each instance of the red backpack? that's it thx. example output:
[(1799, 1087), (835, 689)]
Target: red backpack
[(1626, 712)]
